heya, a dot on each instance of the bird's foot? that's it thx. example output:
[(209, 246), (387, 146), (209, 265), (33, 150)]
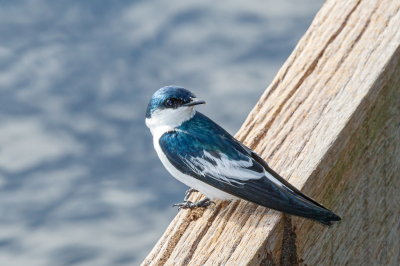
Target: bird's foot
[(188, 193), (190, 205)]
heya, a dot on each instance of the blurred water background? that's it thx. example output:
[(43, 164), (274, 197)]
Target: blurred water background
[(80, 183)]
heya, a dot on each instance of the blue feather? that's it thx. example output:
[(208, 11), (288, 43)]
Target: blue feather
[(158, 98)]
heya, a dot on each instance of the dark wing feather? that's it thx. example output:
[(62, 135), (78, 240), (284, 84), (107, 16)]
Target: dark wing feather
[(282, 180)]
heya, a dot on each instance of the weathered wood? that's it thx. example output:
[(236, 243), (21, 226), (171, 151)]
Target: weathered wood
[(330, 124)]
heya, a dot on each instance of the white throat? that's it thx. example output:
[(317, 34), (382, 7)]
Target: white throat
[(168, 119)]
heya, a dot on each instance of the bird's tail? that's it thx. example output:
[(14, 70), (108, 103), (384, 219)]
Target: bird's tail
[(330, 218), (304, 208), (287, 198)]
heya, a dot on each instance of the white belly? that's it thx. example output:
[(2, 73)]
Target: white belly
[(207, 190)]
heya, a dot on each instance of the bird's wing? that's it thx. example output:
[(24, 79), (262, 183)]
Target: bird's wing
[(205, 151), (216, 159), (208, 153)]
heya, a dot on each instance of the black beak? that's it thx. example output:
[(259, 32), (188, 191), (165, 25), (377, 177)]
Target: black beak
[(194, 101)]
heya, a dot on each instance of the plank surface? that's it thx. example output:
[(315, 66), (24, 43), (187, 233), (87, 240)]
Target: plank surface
[(330, 124)]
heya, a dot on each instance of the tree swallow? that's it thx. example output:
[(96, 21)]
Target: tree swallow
[(202, 155)]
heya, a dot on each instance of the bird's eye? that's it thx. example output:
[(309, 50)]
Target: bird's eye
[(169, 103)]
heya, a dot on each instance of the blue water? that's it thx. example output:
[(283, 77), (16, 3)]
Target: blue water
[(80, 183)]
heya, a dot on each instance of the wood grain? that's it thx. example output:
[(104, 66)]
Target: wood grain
[(330, 124)]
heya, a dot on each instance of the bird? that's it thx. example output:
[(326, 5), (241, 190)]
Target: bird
[(202, 155)]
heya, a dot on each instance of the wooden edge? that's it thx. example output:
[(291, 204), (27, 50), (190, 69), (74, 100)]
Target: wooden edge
[(318, 107)]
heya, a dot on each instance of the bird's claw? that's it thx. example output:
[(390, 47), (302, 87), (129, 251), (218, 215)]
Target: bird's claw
[(188, 193), (190, 205)]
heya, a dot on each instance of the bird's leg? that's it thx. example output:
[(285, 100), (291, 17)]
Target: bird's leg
[(188, 193), (189, 205)]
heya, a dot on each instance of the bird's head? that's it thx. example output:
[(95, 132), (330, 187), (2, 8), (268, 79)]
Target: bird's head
[(170, 106)]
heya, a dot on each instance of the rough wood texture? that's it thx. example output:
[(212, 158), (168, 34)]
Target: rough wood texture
[(330, 124)]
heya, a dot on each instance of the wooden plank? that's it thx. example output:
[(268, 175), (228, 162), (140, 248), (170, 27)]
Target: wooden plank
[(330, 124)]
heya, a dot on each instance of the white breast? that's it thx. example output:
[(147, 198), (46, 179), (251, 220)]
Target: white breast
[(207, 190)]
